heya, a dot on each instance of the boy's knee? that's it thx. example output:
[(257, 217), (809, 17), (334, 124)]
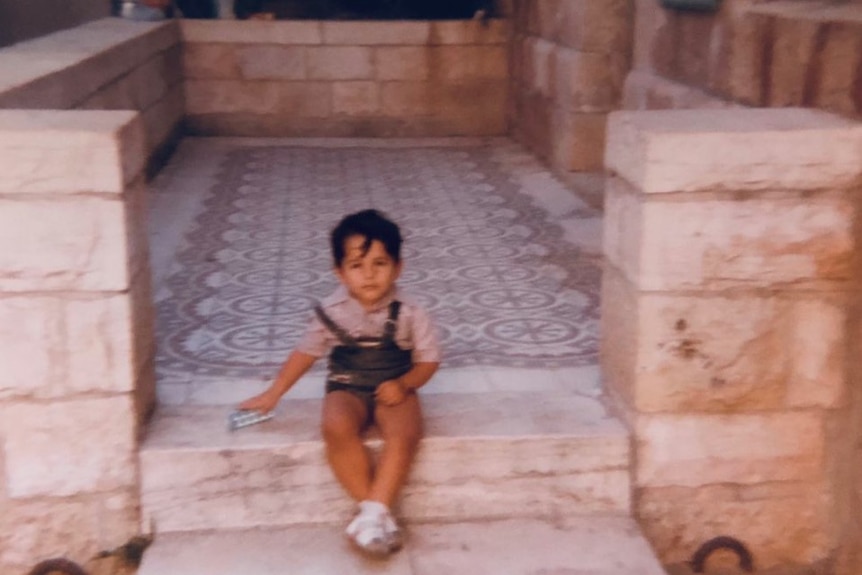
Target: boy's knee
[(408, 439), (337, 430)]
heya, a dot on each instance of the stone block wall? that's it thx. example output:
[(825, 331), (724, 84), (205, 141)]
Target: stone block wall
[(310, 78), (752, 52), (109, 64), (569, 61), (76, 334), (731, 239)]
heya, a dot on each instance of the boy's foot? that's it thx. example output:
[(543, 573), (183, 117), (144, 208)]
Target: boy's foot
[(394, 538), (367, 532)]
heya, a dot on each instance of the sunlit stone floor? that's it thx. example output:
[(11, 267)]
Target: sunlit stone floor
[(503, 255)]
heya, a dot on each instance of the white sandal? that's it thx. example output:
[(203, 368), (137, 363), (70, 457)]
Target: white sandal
[(368, 534)]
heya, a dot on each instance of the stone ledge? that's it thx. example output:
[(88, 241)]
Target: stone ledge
[(59, 71), (736, 150), (68, 152)]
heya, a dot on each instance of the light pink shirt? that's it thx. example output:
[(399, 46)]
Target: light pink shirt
[(415, 329)]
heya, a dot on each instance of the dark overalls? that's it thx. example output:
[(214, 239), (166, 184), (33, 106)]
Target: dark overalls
[(360, 365)]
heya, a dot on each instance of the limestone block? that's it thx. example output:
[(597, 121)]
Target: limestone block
[(549, 14), (749, 45), (173, 65), (402, 62), (374, 33), (340, 63), (737, 150), (649, 20), (578, 140), (539, 68), (733, 354), (791, 57), (840, 59), (782, 524), (694, 450), (405, 99), (72, 244), (304, 99), (69, 447), (77, 528), (619, 337), (602, 26), (461, 32), (458, 63), (790, 242), (213, 96), (207, 61), (478, 107), (30, 334), (587, 82), (272, 62), (356, 98), (63, 346), (279, 32), (69, 151)]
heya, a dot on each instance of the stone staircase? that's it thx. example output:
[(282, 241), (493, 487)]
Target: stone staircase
[(540, 478)]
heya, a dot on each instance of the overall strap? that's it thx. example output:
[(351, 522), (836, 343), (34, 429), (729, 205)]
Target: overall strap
[(336, 329), (392, 320)]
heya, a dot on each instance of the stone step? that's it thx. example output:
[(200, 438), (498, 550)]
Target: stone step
[(484, 455), (577, 546)]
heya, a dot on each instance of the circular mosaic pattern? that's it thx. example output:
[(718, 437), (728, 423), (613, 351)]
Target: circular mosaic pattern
[(503, 285), (512, 299), (531, 331), (275, 304)]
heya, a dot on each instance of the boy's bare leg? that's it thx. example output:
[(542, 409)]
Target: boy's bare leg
[(343, 417), (401, 428)]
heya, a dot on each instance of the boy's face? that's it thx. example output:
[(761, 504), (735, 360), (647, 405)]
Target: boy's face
[(367, 277)]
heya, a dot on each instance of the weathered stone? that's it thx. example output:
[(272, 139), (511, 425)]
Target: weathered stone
[(495, 31), (790, 242), (70, 244), (619, 336), (251, 31), (736, 150), (30, 334), (69, 447), (60, 152), (694, 450), (458, 63), (601, 26), (791, 59), (839, 61), (272, 62), (37, 529), (405, 99), (356, 98), (750, 46), (371, 33), (578, 140), (587, 82), (789, 526), (213, 96), (210, 61), (163, 117), (340, 63), (304, 99), (403, 63)]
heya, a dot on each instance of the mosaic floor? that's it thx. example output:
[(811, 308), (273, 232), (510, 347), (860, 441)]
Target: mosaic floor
[(501, 253)]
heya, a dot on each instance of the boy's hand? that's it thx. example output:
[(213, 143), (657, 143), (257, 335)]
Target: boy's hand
[(391, 392), (264, 403)]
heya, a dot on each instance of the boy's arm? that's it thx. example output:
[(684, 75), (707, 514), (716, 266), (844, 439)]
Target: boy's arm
[(418, 375), (295, 367)]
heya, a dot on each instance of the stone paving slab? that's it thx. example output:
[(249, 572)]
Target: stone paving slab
[(569, 546)]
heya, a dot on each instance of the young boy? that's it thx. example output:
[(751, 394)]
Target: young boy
[(382, 348)]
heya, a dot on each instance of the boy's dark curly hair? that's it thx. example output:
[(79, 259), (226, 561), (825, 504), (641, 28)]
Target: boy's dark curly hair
[(371, 225)]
